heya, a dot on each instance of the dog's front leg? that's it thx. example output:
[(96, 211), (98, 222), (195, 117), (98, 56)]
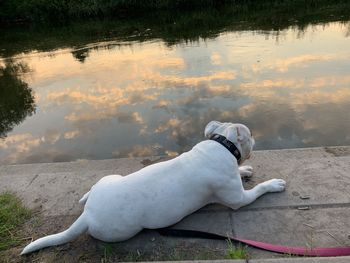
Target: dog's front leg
[(245, 171), (273, 185), (235, 196)]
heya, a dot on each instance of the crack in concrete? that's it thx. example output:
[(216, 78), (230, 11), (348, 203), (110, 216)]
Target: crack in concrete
[(31, 181), (310, 206), (233, 232), (281, 207)]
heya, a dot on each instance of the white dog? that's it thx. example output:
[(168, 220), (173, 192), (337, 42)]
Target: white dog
[(160, 195)]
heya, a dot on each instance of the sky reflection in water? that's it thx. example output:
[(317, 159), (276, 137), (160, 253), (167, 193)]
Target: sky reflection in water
[(139, 99)]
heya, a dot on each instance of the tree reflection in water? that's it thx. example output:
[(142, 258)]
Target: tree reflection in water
[(16, 97)]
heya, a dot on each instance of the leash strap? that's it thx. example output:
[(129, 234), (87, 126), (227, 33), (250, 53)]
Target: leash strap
[(299, 251)]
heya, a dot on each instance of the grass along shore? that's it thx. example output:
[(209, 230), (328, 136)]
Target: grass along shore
[(58, 11), (12, 215), (171, 27)]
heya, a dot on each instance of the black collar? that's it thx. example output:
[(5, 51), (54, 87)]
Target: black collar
[(227, 144)]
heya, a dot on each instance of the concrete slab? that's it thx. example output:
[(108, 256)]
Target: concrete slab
[(313, 211), (321, 227), (279, 260), (310, 181), (57, 187)]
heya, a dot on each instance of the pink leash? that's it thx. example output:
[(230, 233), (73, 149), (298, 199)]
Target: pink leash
[(299, 251)]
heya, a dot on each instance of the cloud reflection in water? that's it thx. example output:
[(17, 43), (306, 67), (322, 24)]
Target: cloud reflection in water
[(151, 99)]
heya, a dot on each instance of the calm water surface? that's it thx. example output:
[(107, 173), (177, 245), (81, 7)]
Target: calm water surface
[(128, 98)]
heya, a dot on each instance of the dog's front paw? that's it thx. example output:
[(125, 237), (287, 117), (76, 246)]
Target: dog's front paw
[(275, 185), (246, 171)]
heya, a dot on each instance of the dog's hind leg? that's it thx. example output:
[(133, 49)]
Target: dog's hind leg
[(84, 198)]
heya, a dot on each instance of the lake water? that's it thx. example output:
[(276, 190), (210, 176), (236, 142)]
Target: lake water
[(113, 97)]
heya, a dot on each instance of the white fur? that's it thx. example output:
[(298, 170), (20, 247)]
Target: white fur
[(116, 208)]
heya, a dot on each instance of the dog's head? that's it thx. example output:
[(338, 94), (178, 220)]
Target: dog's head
[(237, 133)]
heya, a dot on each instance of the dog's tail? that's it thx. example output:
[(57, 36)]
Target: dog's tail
[(78, 227)]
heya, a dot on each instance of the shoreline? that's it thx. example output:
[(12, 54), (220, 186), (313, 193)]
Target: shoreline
[(61, 11)]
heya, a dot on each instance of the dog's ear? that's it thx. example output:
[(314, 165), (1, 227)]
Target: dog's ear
[(239, 135), (234, 134), (210, 128)]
